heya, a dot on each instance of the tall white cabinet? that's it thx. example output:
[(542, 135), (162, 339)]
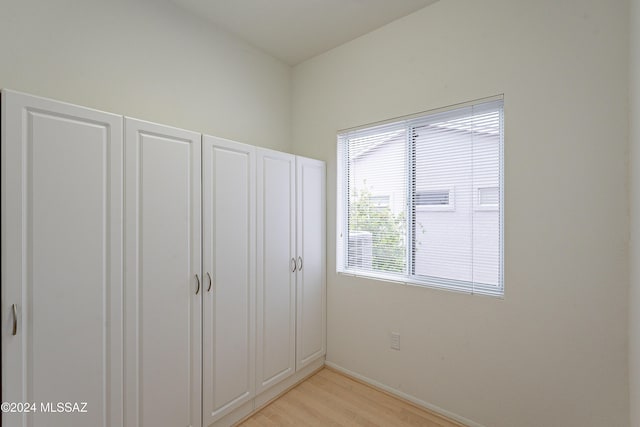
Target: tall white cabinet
[(163, 277), (229, 269), (311, 270), (276, 267), (291, 265), (62, 261)]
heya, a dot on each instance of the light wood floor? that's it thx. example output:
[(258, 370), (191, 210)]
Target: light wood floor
[(329, 398)]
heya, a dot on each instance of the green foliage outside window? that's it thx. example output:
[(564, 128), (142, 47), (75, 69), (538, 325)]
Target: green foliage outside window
[(387, 231)]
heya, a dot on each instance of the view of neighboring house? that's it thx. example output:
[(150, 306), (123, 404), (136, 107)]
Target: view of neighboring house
[(453, 212)]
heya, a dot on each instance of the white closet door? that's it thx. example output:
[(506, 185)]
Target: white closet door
[(61, 261), (276, 311), (311, 261), (163, 258), (229, 269)]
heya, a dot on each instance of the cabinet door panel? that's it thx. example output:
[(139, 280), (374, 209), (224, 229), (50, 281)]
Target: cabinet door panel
[(311, 249), (61, 261), (163, 252), (229, 258), (276, 315)]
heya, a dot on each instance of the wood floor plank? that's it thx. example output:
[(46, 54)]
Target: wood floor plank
[(316, 415), (371, 410), (388, 410), (329, 398), (415, 415)]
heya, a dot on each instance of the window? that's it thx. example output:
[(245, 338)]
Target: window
[(380, 202), (435, 200), (420, 200), (432, 198), (488, 198)]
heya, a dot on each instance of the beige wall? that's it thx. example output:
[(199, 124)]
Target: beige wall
[(634, 296), (554, 352), (146, 59)]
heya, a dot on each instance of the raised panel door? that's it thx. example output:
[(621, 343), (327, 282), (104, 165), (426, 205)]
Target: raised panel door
[(163, 283), (229, 269), (276, 267), (311, 288), (62, 338)]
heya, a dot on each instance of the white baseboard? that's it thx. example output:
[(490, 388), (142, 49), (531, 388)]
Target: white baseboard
[(404, 396)]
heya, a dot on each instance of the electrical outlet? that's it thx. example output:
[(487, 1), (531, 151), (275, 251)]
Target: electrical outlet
[(395, 340)]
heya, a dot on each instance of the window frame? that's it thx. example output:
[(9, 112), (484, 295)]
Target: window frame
[(409, 277)]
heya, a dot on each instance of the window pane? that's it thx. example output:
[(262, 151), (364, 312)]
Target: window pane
[(486, 186), (377, 201), (443, 238), (460, 244)]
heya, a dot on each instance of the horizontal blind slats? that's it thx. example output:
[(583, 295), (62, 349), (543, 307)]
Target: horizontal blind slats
[(421, 199)]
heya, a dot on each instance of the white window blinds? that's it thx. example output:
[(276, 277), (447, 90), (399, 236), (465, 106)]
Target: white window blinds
[(421, 200)]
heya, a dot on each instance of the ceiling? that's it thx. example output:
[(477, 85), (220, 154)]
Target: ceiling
[(296, 30)]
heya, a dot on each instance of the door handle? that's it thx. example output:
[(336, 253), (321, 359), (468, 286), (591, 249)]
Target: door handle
[(198, 288), (210, 281), (299, 263), (14, 311), (293, 265)]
